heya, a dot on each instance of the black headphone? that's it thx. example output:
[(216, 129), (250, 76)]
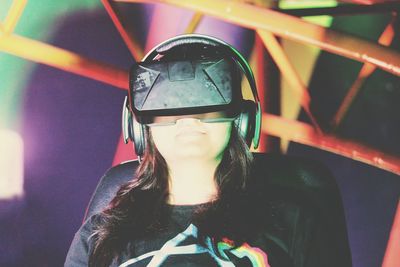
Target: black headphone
[(248, 121)]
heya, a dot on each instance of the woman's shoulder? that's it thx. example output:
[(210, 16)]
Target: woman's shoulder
[(109, 184), (90, 224), (288, 169), (294, 182), (292, 191), (301, 201)]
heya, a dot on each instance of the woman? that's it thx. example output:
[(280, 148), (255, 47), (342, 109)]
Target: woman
[(195, 199)]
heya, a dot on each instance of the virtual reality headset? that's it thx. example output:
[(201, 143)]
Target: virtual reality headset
[(174, 88)]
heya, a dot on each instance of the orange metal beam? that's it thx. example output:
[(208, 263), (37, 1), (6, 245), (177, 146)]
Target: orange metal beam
[(133, 46), (293, 130), (367, 69), (292, 28), (365, 2), (259, 70), (13, 15), (276, 126), (304, 133), (63, 59), (289, 72)]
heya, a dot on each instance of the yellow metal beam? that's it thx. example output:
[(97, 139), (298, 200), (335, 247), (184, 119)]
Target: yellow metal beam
[(63, 59), (289, 72), (13, 16), (284, 65), (194, 22), (2, 30), (293, 28)]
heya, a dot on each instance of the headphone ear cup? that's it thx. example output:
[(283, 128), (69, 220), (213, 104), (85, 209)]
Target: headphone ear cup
[(126, 122), (246, 120), (138, 137), (133, 130)]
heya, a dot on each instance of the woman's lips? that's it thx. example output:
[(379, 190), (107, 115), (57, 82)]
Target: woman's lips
[(190, 132)]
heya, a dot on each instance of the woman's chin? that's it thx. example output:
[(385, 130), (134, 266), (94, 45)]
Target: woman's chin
[(188, 153)]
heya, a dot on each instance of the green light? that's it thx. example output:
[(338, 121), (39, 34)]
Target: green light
[(325, 21), (290, 4), (38, 21)]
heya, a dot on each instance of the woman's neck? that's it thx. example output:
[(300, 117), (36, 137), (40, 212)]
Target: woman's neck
[(192, 182)]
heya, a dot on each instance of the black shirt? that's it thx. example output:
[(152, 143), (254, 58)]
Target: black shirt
[(178, 245), (296, 203)]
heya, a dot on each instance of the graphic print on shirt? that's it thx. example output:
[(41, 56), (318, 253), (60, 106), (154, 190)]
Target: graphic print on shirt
[(254, 256)]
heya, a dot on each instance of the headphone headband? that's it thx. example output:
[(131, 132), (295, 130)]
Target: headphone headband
[(182, 40)]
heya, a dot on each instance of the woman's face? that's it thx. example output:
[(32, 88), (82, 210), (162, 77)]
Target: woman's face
[(190, 138)]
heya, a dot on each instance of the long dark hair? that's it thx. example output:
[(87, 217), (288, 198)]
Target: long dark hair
[(139, 207)]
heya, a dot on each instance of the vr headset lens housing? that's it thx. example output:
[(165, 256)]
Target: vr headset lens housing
[(210, 117), (173, 89)]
